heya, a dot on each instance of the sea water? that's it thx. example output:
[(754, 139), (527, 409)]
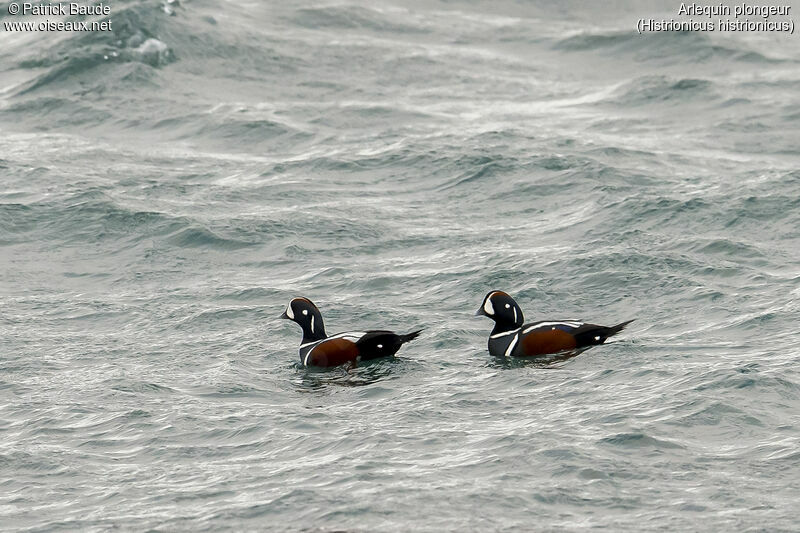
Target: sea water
[(170, 184)]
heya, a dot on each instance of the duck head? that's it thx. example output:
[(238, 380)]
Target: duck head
[(501, 308), (307, 316)]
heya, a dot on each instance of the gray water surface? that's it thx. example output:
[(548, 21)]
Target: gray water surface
[(393, 161)]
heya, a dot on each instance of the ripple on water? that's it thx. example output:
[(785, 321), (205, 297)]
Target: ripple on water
[(394, 163)]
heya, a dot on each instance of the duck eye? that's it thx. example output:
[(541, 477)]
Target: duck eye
[(305, 311)]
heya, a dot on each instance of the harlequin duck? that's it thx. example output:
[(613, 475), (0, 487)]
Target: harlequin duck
[(510, 337), (317, 349)]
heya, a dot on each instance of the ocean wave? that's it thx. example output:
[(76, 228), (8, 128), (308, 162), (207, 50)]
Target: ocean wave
[(654, 89), (639, 440), (683, 46), (201, 237), (394, 163), (350, 17), (85, 217), (88, 55)]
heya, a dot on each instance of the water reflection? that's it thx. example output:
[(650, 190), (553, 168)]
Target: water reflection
[(365, 373), (548, 361)]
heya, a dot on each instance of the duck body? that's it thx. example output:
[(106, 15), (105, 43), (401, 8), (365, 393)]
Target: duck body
[(319, 349), (511, 337), (352, 347)]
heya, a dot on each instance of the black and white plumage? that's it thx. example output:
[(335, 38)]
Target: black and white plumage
[(511, 337), (318, 349)]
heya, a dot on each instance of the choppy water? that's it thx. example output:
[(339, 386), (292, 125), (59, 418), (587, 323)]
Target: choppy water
[(393, 162)]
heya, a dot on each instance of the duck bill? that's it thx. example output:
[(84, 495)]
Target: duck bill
[(284, 315)]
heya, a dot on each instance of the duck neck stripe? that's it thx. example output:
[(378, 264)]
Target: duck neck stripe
[(310, 343), (511, 345), (498, 335)]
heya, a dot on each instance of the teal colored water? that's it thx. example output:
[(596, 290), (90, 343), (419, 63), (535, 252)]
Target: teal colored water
[(169, 186)]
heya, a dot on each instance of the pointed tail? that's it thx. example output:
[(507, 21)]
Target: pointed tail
[(613, 330), (409, 336)]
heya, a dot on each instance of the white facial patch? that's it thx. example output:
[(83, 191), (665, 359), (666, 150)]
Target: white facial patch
[(488, 308), (380, 346), (508, 305), (305, 311), (289, 311), (312, 321)]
